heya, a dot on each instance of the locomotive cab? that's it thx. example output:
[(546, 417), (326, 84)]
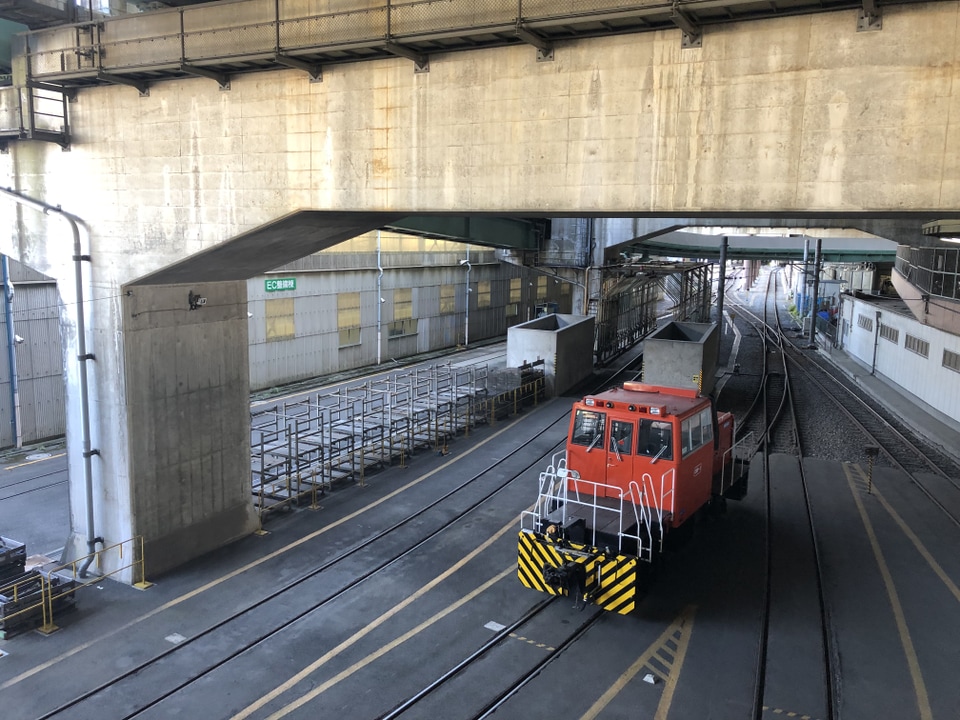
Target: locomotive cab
[(658, 447), (640, 461)]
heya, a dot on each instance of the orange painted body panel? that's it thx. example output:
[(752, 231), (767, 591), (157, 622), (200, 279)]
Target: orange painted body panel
[(637, 434)]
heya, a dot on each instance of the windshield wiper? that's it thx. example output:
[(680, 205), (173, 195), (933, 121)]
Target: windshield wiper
[(614, 445), (663, 449), (594, 442)]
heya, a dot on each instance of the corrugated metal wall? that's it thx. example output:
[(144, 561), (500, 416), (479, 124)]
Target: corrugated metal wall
[(39, 358), (315, 348), (924, 376), (321, 278)]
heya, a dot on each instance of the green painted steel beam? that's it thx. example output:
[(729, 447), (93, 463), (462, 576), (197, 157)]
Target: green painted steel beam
[(847, 255), (515, 233)]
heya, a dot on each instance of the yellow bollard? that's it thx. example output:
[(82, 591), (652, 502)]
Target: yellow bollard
[(46, 606), (143, 584)]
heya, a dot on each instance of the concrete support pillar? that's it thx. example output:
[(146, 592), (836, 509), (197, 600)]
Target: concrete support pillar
[(175, 454)]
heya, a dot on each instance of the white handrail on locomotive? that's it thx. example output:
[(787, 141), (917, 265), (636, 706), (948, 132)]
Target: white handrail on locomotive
[(554, 494), (737, 454)]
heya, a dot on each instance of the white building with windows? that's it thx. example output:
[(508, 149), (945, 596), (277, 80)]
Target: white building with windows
[(884, 336)]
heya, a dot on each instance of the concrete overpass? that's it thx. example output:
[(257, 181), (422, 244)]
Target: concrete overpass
[(190, 188)]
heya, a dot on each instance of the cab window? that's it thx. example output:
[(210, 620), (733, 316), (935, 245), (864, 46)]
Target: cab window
[(696, 431), (655, 439), (621, 437), (588, 428)]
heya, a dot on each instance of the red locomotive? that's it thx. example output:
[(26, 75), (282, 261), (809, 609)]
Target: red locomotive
[(641, 462)]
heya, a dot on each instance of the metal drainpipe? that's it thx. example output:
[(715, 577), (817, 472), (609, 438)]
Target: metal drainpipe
[(12, 353), (466, 307), (876, 342), (83, 357), (379, 299)]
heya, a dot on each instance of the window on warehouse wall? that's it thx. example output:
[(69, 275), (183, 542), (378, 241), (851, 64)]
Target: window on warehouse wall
[(951, 360), (483, 294), (513, 307), (918, 346), (348, 318), (279, 314), (448, 299), (404, 323)]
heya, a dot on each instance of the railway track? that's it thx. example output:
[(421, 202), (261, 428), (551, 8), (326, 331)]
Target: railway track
[(281, 594), (25, 486), (877, 428), (494, 479), (515, 684), (780, 433)]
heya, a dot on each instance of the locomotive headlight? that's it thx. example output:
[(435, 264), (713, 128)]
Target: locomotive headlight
[(588, 401)]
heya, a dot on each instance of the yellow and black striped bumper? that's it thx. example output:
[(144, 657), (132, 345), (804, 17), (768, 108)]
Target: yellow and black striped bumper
[(611, 582)]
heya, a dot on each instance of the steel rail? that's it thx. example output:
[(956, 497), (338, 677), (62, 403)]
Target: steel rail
[(829, 661), (276, 629), (352, 583), (521, 682), (467, 661)]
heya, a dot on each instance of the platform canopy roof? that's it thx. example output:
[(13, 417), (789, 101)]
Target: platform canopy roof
[(837, 245)]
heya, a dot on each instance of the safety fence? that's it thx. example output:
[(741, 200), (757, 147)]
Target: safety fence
[(32, 599), (304, 448)]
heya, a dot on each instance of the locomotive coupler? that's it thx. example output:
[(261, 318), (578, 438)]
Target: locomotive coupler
[(572, 577)]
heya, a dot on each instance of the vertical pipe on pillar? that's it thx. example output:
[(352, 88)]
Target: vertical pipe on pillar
[(816, 290), (466, 306), (379, 299), (12, 355), (83, 357), (721, 284)]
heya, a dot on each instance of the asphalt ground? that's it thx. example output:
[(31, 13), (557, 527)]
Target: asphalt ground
[(377, 640), (368, 632)]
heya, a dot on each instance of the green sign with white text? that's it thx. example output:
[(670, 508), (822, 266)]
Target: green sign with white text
[(277, 284)]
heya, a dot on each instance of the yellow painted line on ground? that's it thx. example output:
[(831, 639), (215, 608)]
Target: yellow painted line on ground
[(353, 639), (249, 566), (390, 646), (683, 623), (528, 641), (31, 462), (786, 713), (920, 689), (921, 548)]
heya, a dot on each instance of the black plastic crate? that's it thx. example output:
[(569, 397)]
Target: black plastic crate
[(21, 599), (13, 558)]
